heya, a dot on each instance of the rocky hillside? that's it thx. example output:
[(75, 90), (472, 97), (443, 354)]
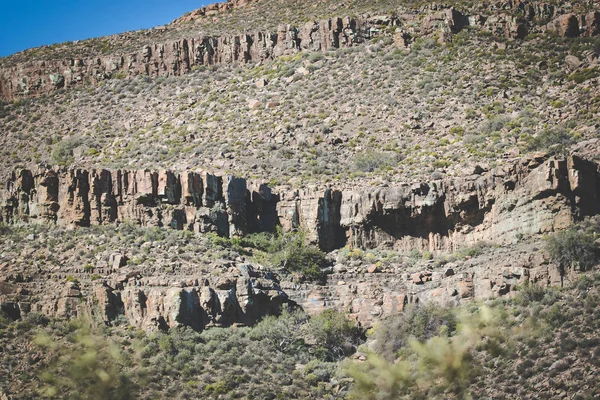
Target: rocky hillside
[(351, 159), (382, 98)]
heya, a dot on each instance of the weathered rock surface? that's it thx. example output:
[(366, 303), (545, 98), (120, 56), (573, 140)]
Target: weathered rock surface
[(529, 196), (177, 57), (242, 294), (370, 297), (533, 195), (195, 201)]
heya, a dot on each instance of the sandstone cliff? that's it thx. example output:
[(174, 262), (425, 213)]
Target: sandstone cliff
[(528, 196)]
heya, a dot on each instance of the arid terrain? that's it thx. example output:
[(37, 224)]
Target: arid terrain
[(269, 199)]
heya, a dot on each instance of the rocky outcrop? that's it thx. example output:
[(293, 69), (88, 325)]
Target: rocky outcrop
[(241, 294), (212, 10), (244, 296), (372, 294), (529, 196), (181, 56), (532, 195), (194, 201)]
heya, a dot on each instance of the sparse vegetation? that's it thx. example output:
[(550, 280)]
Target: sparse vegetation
[(283, 250), (151, 312)]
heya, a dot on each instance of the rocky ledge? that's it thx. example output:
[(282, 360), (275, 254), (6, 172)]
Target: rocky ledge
[(527, 196), (176, 57)]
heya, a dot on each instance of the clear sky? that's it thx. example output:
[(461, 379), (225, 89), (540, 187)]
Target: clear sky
[(32, 23)]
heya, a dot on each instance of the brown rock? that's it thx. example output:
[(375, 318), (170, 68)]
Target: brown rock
[(592, 24), (465, 288), (254, 104), (566, 25), (417, 278), (373, 268)]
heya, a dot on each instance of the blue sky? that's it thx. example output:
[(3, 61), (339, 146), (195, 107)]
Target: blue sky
[(32, 23)]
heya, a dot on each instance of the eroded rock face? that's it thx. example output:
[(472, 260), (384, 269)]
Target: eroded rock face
[(243, 295), (533, 195), (178, 57), (371, 294), (174, 58), (188, 200), (528, 196)]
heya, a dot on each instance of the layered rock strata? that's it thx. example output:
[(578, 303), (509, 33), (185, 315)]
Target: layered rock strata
[(528, 196), (241, 294), (532, 195), (370, 293), (195, 201), (177, 57)]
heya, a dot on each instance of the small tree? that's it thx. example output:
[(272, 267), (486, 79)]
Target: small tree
[(334, 333), (293, 254), (572, 249)]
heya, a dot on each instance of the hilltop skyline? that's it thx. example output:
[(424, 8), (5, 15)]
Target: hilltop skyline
[(25, 25)]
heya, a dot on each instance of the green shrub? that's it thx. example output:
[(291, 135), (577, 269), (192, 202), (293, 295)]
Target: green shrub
[(584, 75), (37, 319), (442, 366), (87, 367), (314, 57), (572, 249), (219, 387), (295, 255), (457, 130), (62, 152), (335, 333), (554, 141), (530, 293), (283, 333), (373, 160), (421, 323), (287, 250)]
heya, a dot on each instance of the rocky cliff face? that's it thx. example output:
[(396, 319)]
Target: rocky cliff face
[(531, 195), (195, 201), (370, 293), (528, 196), (147, 298), (177, 57)]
